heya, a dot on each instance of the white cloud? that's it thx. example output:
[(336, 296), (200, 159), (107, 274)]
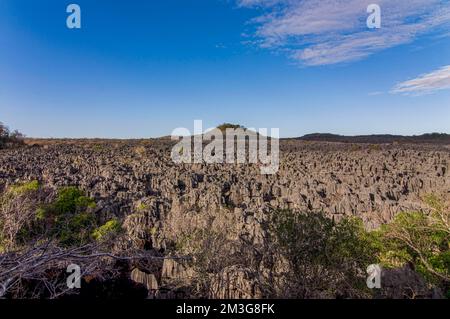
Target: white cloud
[(426, 83), (320, 32)]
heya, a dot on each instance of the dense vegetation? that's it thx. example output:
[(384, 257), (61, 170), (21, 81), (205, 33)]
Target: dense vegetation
[(421, 239), (308, 255), (29, 213)]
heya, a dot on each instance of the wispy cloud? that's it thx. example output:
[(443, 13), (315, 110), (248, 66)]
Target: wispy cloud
[(426, 83), (321, 32)]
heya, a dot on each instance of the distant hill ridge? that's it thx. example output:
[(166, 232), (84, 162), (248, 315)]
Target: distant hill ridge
[(433, 138)]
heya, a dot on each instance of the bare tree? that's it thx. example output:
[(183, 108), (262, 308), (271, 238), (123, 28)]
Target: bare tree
[(17, 210), (9, 138), (46, 263)]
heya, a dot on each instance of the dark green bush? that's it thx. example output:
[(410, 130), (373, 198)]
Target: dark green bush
[(323, 255), (69, 218), (70, 200)]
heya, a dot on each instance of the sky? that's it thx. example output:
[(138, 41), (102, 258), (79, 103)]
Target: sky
[(139, 69)]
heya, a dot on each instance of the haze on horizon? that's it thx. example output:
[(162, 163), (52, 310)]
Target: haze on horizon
[(141, 69)]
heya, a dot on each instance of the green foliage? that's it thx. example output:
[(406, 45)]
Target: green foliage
[(142, 207), (74, 230), (306, 255), (435, 203), (322, 253), (420, 238), (98, 147), (223, 127), (296, 232), (152, 231), (107, 230), (23, 188), (40, 214), (320, 239), (69, 218), (71, 199)]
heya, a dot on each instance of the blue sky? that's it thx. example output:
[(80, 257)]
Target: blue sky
[(143, 68)]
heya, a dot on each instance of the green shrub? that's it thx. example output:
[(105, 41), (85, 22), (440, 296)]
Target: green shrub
[(75, 230), (107, 230), (40, 214), (141, 207), (23, 188), (323, 255), (71, 199), (305, 255), (420, 238), (25, 217), (68, 218)]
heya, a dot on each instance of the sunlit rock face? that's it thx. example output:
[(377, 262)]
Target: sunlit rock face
[(158, 201), (370, 181)]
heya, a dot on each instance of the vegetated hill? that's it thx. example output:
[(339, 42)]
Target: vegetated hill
[(433, 138), (223, 127)]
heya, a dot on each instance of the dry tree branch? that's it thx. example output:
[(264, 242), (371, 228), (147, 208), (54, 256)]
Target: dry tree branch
[(35, 262)]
